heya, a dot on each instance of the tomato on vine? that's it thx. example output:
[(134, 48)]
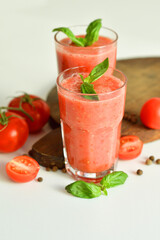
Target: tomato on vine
[(37, 110), (13, 132)]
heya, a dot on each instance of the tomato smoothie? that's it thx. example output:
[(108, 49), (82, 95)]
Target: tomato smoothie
[(90, 128), (69, 55)]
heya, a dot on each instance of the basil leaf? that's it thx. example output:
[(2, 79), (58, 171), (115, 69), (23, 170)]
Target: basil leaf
[(88, 89), (93, 32), (99, 70), (69, 33), (114, 179), (83, 189), (105, 192), (81, 76), (82, 40)]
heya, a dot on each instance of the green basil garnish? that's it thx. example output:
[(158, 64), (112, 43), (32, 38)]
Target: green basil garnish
[(92, 34), (96, 73), (91, 190)]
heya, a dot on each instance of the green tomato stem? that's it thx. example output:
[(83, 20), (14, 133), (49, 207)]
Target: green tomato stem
[(20, 109)]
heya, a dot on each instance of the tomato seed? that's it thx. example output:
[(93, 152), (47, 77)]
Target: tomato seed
[(139, 172)]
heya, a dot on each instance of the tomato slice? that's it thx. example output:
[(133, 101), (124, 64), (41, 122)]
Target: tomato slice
[(22, 169), (130, 147)]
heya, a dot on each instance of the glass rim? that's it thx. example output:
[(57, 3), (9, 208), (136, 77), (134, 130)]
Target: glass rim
[(97, 47), (95, 94)]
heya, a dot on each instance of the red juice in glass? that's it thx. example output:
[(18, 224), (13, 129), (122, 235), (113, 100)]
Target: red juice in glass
[(90, 128), (69, 55)]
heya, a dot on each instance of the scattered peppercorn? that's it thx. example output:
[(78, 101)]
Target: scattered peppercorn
[(134, 118), (158, 161), (152, 158), (149, 161), (130, 117), (48, 169), (40, 179), (53, 164), (63, 170), (55, 168), (139, 172)]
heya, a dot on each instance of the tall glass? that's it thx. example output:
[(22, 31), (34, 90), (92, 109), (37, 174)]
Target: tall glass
[(90, 129), (69, 55)]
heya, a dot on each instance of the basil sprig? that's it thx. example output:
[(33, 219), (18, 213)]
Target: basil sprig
[(91, 190), (92, 34), (96, 73)]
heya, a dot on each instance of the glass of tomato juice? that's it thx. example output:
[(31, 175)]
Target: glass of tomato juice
[(69, 55), (91, 128)]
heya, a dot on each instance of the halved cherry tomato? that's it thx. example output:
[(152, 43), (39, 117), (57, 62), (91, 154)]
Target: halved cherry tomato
[(150, 113), (130, 147), (22, 169)]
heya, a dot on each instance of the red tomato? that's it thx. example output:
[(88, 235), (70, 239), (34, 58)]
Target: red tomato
[(14, 134), (22, 169), (37, 108), (150, 113), (130, 147)]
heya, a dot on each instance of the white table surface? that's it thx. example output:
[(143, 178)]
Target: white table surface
[(28, 63)]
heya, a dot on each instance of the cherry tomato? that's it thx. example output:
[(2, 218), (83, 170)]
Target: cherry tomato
[(130, 147), (37, 108), (22, 169), (14, 133), (150, 113)]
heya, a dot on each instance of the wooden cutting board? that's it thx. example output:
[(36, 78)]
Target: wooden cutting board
[(143, 76)]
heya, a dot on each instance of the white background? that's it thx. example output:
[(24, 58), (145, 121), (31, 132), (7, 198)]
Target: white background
[(28, 63)]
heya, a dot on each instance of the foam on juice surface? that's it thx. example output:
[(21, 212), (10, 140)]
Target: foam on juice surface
[(102, 85)]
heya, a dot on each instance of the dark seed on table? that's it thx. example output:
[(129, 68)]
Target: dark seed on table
[(63, 170), (53, 164), (149, 161), (40, 179), (48, 169), (133, 119), (55, 168), (139, 172), (152, 158), (125, 115), (158, 161), (129, 118)]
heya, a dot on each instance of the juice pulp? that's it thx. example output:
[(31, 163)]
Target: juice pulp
[(91, 129), (69, 55)]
